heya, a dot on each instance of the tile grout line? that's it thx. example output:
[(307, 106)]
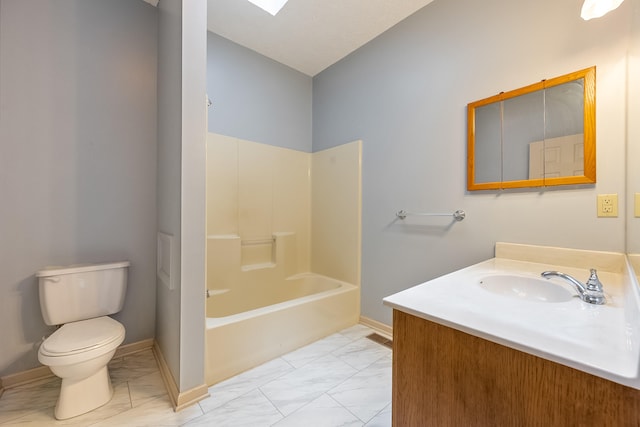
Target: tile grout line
[(345, 408), (272, 404), (326, 392)]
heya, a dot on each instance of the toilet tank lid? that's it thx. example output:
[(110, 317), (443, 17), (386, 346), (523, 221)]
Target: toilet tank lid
[(80, 268)]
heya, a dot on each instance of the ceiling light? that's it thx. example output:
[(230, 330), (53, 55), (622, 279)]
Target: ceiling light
[(597, 8), (271, 6)]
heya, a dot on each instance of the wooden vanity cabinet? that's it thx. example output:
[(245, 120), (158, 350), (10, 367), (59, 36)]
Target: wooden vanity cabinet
[(444, 377)]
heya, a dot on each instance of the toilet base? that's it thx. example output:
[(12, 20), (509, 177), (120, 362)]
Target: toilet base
[(79, 396)]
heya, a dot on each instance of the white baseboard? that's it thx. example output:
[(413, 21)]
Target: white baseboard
[(43, 372), (128, 349), (179, 399), (383, 329), (25, 377)]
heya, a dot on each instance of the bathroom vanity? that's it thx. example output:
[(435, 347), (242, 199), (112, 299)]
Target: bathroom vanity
[(470, 352)]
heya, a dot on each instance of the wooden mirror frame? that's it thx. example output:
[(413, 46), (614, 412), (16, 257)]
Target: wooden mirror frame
[(589, 126)]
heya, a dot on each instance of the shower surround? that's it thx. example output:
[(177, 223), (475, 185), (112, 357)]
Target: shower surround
[(283, 249)]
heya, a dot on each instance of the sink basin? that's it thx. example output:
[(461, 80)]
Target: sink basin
[(526, 288)]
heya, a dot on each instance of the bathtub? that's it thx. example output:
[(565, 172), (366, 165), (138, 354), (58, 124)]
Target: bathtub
[(247, 327)]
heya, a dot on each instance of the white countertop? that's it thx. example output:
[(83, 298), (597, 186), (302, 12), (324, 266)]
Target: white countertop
[(603, 340)]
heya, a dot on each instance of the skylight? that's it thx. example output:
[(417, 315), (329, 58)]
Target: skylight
[(271, 6)]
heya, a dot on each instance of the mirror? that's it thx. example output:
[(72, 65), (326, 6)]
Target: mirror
[(539, 135)]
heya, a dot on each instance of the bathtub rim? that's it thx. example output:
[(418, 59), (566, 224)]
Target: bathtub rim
[(343, 287)]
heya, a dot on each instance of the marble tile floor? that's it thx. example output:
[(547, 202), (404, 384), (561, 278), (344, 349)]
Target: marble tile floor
[(341, 380)]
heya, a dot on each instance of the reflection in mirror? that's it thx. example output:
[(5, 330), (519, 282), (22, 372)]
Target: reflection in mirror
[(523, 123), (561, 152), (489, 143), (542, 134)]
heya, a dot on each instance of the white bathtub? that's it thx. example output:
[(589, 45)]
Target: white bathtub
[(250, 325)]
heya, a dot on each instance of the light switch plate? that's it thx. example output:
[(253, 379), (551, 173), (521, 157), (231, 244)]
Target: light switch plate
[(607, 205), (637, 205)]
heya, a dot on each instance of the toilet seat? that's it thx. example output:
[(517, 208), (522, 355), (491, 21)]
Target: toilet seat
[(79, 341)]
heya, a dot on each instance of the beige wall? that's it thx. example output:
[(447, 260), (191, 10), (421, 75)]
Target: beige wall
[(336, 213), (255, 191), (307, 204)]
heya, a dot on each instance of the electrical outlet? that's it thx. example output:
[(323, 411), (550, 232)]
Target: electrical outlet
[(607, 205), (637, 205)]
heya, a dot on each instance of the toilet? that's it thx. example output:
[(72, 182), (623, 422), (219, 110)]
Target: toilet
[(80, 299)]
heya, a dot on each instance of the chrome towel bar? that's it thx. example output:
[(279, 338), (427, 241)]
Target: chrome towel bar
[(458, 215)]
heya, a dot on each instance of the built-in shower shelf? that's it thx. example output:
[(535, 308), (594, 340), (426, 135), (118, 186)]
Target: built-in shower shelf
[(261, 266)]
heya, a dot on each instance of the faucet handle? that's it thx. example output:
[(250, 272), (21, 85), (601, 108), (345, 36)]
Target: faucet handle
[(593, 283)]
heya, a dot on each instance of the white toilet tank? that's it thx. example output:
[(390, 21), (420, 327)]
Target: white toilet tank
[(79, 292)]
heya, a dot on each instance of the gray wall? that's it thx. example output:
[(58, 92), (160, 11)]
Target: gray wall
[(405, 95), (181, 185), (194, 139), (169, 179), (77, 156), (256, 98)]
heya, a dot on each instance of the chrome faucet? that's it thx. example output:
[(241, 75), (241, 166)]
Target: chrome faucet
[(591, 292)]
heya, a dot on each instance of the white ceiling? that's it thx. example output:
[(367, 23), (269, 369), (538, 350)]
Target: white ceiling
[(307, 35)]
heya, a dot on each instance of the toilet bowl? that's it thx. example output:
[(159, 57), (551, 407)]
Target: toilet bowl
[(79, 352), (80, 298)]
